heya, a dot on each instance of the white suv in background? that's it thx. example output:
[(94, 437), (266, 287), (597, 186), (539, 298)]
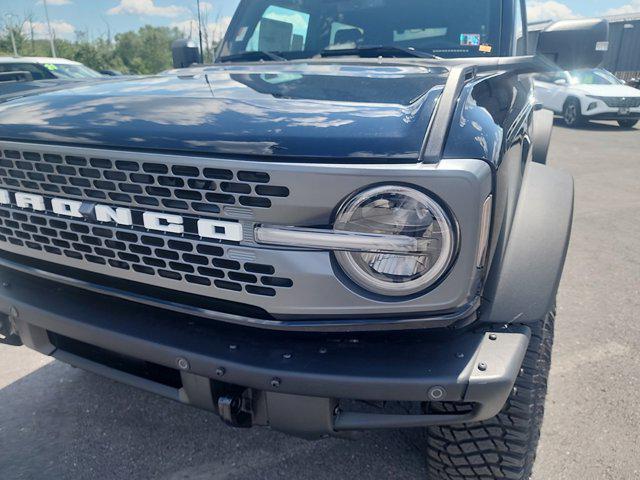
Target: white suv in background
[(584, 95)]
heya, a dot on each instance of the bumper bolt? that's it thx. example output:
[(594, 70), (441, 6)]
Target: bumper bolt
[(183, 363), (276, 382), (493, 336), (482, 367), (436, 393), (323, 350), (220, 371)]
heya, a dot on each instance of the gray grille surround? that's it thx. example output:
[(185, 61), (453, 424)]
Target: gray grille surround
[(307, 284)]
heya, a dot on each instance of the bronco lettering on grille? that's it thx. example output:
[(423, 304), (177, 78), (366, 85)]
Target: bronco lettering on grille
[(162, 222)]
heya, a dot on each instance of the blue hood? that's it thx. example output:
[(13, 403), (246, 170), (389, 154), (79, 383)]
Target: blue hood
[(302, 110)]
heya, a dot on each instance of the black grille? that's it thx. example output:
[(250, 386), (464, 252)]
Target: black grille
[(136, 183), (619, 102), (173, 258)]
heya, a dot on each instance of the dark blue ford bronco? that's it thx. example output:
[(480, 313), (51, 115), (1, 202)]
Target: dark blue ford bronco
[(345, 223)]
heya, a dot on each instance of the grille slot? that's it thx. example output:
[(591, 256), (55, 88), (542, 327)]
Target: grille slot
[(171, 187), (187, 262), (619, 102)]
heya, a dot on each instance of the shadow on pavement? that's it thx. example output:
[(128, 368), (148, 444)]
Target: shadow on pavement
[(59, 422)]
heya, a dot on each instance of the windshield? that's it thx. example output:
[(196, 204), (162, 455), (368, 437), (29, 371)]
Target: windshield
[(594, 77), (294, 29), (61, 70)]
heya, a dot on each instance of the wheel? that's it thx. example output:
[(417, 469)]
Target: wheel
[(572, 113), (505, 446), (628, 124)]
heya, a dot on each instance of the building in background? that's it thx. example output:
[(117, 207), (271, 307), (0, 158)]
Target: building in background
[(623, 57)]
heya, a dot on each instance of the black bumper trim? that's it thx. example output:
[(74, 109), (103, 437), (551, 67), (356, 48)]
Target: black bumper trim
[(375, 367)]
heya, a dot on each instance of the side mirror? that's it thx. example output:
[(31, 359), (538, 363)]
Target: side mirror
[(561, 82), (185, 53), (575, 44)]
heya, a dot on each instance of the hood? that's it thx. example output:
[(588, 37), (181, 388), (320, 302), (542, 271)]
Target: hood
[(609, 90), (310, 110)]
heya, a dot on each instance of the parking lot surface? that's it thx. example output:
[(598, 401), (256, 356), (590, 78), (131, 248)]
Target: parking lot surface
[(63, 423)]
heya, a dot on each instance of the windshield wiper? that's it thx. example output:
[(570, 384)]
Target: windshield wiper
[(252, 56), (372, 51)]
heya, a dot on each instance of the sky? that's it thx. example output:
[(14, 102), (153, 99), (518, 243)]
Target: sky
[(100, 17)]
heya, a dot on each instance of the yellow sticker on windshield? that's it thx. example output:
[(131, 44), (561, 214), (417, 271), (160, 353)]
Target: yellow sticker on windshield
[(50, 66), (486, 48)]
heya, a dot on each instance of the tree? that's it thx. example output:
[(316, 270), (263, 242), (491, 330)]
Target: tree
[(148, 50)]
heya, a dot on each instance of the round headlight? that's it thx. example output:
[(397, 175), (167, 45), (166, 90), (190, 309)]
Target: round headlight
[(403, 212)]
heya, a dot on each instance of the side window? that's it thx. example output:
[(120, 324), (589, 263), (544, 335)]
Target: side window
[(545, 77), (36, 71), (280, 30), (552, 77)]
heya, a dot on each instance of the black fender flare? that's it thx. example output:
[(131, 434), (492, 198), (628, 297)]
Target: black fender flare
[(541, 135), (524, 277)]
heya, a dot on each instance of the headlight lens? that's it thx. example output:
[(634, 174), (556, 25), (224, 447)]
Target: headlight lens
[(402, 211)]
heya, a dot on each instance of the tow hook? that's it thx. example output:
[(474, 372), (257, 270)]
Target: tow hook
[(8, 331)]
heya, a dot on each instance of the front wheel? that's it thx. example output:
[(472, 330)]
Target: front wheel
[(572, 113), (627, 124), (505, 446)]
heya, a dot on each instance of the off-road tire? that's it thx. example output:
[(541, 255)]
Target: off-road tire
[(627, 124), (572, 113), (503, 447)]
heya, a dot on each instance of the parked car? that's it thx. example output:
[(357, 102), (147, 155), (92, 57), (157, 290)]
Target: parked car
[(22, 74), (314, 233), (584, 95), (44, 68)]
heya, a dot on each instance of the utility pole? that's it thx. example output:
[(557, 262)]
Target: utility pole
[(51, 40), (199, 33), (13, 38), (13, 42)]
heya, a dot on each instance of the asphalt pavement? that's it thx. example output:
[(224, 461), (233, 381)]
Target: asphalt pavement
[(57, 422)]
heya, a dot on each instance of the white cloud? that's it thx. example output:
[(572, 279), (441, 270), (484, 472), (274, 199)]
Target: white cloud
[(633, 7), (40, 30), (56, 2), (146, 7), (215, 30), (539, 10)]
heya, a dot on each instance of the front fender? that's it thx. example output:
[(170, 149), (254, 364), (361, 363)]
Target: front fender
[(541, 136), (524, 277)]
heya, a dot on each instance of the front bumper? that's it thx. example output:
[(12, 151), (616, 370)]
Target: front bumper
[(603, 112), (272, 375), (615, 116)]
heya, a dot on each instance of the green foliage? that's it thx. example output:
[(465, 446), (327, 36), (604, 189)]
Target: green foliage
[(146, 51)]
